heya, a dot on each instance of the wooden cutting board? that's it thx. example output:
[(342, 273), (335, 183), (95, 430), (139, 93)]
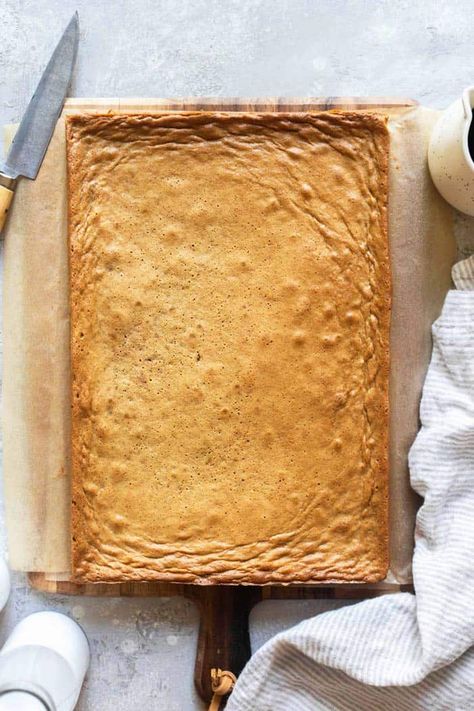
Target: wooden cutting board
[(224, 630), (223, 639)]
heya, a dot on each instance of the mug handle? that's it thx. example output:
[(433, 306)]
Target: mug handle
[(468, 101)]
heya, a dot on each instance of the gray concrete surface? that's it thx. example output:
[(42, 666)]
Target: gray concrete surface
[(143, 650)]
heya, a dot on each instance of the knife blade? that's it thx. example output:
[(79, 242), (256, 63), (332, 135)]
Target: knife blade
[(39, 120)]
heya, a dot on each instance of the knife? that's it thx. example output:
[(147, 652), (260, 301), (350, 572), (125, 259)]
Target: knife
[(37, 125)]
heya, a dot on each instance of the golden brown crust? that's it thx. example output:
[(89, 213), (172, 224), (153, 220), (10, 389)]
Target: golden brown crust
[(230, 304)]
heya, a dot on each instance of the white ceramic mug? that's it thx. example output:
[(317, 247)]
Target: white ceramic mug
[(450, 162)]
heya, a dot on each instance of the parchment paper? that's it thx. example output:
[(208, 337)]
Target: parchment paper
[(36, 419)]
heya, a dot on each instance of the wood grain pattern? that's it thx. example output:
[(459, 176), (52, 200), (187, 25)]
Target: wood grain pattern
[(224, 611), (240, 104), (47, 584)]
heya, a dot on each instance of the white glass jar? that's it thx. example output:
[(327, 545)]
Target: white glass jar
[(21, 701), (4, 583), (44, 662)]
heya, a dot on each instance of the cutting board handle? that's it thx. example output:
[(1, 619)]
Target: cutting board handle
[(224, 640)]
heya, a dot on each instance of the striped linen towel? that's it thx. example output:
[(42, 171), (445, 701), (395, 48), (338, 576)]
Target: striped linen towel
[(401, 652)]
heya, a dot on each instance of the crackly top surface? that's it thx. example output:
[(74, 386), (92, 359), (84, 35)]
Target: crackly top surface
[(230, 308)]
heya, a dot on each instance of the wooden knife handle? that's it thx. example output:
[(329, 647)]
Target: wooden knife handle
[(6, 196)]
